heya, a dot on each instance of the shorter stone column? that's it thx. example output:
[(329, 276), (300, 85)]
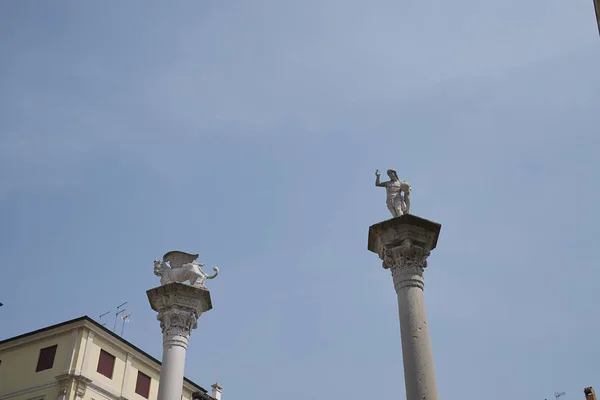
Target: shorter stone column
[(179, 306), (404, 243)]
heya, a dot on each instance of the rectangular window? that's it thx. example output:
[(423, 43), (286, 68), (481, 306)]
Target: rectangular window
[(46, 359), (142, 386), (106, 364)]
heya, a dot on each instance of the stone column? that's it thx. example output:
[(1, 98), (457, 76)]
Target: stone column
[(179, 306), (404, 243)]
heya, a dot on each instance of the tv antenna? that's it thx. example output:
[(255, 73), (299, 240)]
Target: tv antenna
[(125, 318), (558, 395), (100, 319), (119, 311)]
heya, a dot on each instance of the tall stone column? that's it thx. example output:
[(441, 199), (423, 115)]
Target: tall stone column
[(179, 306), (404, 243)]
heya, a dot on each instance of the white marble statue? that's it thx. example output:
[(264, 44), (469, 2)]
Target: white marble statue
[(177, 266), (398, 193)]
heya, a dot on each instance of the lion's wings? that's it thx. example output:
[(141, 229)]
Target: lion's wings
[(177, 258)]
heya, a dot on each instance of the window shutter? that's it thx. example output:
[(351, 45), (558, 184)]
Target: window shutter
[(142, 386), (46, 359), (106, 364)]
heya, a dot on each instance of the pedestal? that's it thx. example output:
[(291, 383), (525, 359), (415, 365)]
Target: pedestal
[(404, 243), (179, 306)]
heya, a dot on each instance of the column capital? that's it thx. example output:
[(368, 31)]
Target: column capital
[(179, 306), (403, 244)]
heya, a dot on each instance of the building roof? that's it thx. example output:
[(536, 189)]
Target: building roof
[(102, 328)]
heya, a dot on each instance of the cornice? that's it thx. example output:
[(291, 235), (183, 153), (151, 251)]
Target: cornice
[(41, 335), (29, 390)]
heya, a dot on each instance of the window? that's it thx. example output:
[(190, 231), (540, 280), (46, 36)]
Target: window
[(106, 364), (46, 360), (142, 386)]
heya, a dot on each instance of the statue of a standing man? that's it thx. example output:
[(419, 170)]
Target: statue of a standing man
[(398, 193)]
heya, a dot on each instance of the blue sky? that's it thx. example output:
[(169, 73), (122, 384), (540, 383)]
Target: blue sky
[(250, 131)]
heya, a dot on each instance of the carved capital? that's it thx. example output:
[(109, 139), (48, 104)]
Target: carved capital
[(407, 261), (177, 325), (179, 306)]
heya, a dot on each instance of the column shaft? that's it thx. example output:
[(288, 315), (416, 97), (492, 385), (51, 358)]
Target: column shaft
[(179, 306), (417, 355), (403, 244), (177, 323), (172, 369)]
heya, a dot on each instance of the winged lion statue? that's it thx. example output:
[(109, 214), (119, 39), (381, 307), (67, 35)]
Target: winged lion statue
[(178, 266)]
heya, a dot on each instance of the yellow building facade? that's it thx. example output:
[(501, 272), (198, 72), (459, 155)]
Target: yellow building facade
[(80, 360)]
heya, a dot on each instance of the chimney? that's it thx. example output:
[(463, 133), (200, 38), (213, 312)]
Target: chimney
[(216, 391)]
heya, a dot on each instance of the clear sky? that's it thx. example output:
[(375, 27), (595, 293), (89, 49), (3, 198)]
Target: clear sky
[(250, 131)]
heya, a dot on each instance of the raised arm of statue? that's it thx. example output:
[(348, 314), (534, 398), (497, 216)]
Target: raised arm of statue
[(378, 180)]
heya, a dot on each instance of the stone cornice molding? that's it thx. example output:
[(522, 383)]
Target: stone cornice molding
[(29, 339), (84, 383), (28, 390), (80, 383), (103, 391), (64, 379), (201, 396)]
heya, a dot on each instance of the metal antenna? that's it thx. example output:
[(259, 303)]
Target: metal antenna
[(125, 318), (119, 311), (100, 319), (558, 395)]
